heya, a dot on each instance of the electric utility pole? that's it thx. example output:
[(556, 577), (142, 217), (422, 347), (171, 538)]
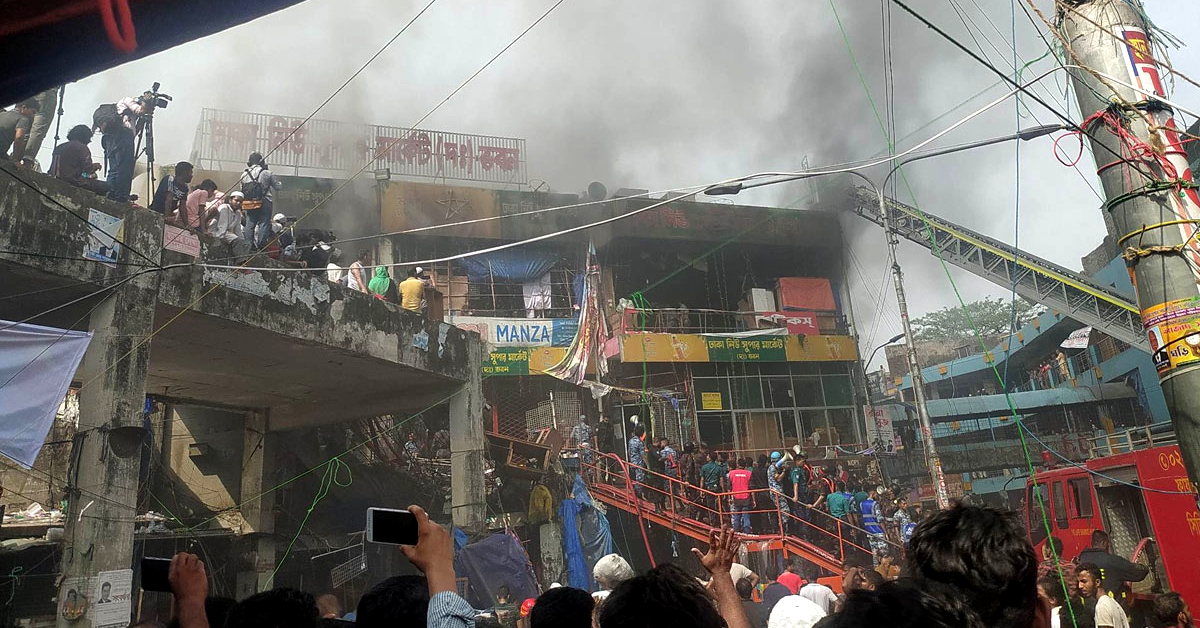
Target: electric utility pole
[(932, 459), (1156, 211)]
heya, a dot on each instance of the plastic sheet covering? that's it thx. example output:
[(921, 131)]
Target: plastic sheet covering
[(806, 293), (516, 265), (495, 561), (578, 574), (36, 367), (594, 532)]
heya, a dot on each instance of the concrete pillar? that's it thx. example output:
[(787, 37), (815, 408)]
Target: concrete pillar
[(258, 520), (467, 495), (103, 480)]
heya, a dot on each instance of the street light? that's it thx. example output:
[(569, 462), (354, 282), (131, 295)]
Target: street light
[(932, 459), (876, 350)]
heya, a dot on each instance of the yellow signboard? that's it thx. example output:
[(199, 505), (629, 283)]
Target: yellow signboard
[(1173, 329), (696, 348), (711, 401)]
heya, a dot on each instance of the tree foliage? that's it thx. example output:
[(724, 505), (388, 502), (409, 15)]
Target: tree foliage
[(991, 316)]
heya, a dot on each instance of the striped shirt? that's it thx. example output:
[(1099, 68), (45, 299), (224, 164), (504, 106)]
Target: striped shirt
[(448, 610)]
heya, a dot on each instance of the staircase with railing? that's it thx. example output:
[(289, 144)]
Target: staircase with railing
[(683, 508)]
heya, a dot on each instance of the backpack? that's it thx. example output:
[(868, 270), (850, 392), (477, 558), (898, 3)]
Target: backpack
[(254, 190)]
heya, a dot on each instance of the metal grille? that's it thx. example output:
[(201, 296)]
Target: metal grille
[(348, 570), (520, 406)]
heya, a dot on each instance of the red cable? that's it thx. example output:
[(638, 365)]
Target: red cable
[(123, 38)]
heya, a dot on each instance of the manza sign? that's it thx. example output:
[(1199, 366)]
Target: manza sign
[(521, 332)]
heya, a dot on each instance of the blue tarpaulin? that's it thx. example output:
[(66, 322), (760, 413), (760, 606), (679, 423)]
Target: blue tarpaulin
[(594, 533), (515, 265), (495, 561)]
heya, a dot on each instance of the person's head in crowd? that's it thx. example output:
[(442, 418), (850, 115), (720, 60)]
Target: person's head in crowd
[(1100, 540), (810, 572), (28, 107), (665, 597), (1077, 612), (183, 172), (662, 442), (216, 609), (745, 589), (256, 159), (612, 570), (771, 573), (235, 199), (278, 608), (1052, 549), (794, 611), (840, 486), (977, 562), (639, 431), (1091, 580), (208, 185), (1050, 587), (872, 579), (397, 600), (412, 272), (762, 461), (503, 595), (329, 606), (689, 448), (81, 133), (1171, 611), (562, 607), (364, 256)]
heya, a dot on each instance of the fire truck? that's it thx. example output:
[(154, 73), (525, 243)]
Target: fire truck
[(1135, 487)]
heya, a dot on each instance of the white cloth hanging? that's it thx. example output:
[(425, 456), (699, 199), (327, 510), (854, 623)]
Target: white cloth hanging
[(36, 367), (537, 295)]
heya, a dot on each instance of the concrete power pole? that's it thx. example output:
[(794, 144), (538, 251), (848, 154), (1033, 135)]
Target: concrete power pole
[(1155, 216), (932, 460)]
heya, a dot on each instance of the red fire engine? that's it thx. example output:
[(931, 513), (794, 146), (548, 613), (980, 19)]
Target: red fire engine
[(1119, 492)]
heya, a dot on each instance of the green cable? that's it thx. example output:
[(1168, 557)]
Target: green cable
[(328, 480), (974, 328)]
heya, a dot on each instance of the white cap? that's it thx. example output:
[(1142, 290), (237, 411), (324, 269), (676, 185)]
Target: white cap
[(279, 217), (236, 195), (419, 270)]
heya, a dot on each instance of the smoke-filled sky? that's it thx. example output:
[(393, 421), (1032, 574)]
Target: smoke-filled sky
[(673, 93)]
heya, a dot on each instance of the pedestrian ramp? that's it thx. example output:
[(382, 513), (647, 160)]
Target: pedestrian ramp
[(661, 500)]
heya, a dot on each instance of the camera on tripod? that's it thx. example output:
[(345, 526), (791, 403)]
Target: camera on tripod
[(154, 98)]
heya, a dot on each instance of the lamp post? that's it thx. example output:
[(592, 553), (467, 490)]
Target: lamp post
[(932, 460)]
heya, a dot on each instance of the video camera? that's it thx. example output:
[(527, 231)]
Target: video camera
[(154, 98)]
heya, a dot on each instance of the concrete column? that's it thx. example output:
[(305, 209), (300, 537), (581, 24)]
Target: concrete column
[(103, 479), (467, 496), (258, 520)]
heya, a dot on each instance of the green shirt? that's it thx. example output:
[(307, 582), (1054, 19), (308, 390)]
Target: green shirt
[(837, 504), (711, 473)]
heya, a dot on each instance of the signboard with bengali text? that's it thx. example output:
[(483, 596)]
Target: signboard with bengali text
[(228, 137)]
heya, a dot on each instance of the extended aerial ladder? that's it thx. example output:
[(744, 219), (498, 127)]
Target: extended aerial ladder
[(1061, 289)]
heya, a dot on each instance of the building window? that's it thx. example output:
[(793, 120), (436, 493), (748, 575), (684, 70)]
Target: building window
[(746, 393), (808, 392), (716, 429), (841, 426), (778, 392), (839, 391), (1081, 494)]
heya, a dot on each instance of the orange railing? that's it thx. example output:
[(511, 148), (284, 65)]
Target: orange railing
[(695, 506)]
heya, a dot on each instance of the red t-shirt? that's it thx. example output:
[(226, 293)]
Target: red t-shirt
[(792, 581), (739, 479)]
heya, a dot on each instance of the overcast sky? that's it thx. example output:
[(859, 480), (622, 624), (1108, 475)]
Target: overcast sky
[(671, 93)]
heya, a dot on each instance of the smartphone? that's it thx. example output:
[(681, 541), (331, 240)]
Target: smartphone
[(394, 527), (154, 574)]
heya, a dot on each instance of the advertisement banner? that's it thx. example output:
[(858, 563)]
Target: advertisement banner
[(227, 137), (522, 360), (880, 424), (730, 349), (696, 348), (1174, 332)]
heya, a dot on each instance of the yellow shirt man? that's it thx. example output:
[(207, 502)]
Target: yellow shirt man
[(410, 293)]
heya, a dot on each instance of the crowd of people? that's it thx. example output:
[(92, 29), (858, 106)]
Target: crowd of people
[(966, 567), (242, 221), (769, 493)]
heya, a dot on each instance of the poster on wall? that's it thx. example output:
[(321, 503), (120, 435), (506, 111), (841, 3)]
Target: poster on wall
[(104, 237), (112, 598), (880, 423)]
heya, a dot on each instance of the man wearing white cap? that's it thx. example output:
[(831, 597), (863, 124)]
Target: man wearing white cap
[(411, 290), (228, 226)]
